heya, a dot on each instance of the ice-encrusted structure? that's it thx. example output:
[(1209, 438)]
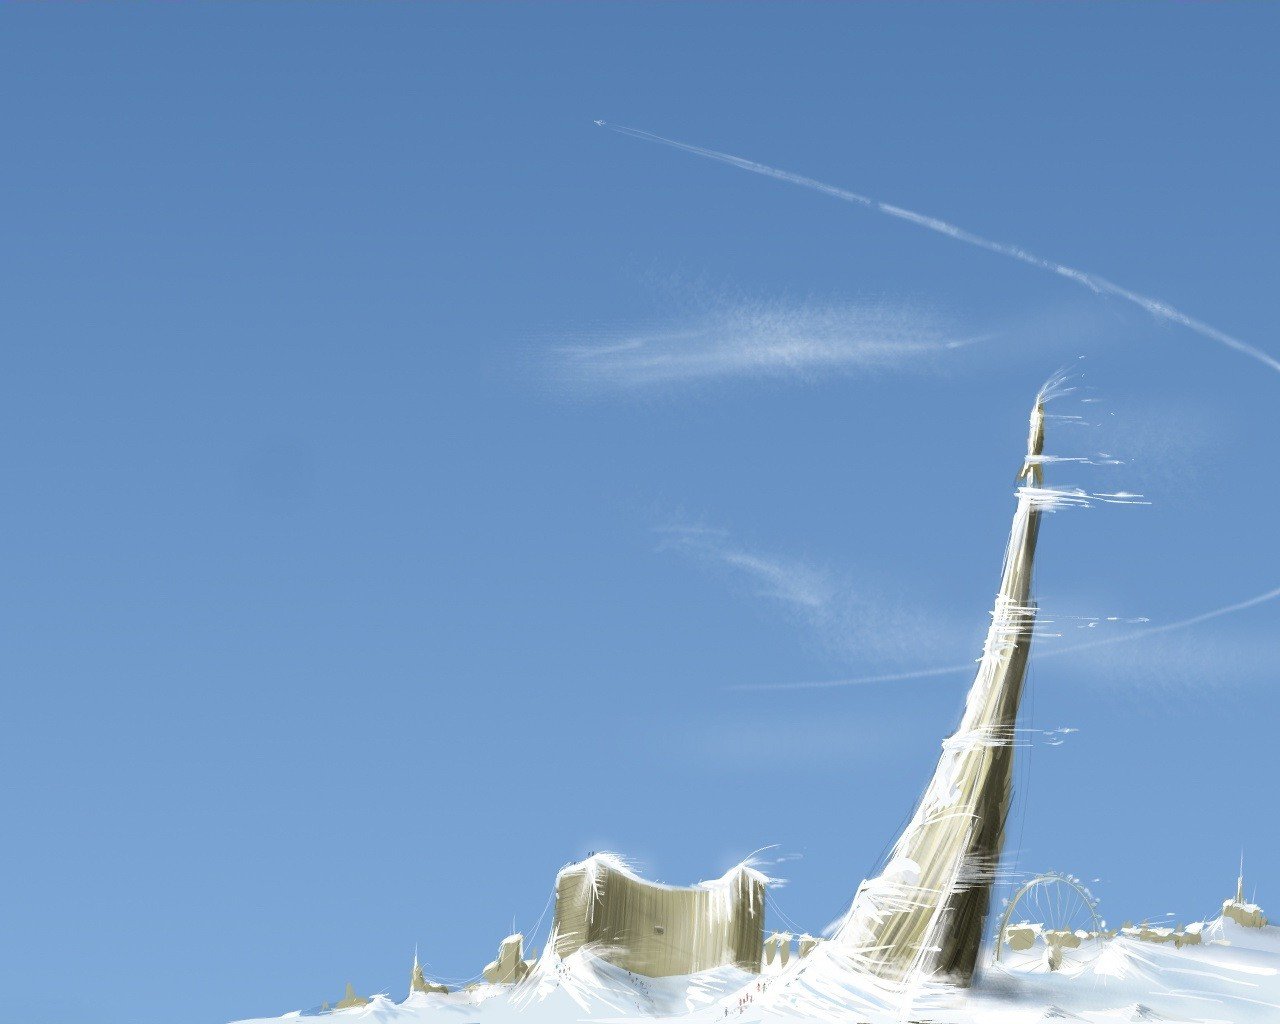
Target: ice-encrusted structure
[(510, 965), (659, 930), (922, 917), (1243, 912)]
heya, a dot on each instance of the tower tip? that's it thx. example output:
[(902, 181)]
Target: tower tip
[(1033, 468)]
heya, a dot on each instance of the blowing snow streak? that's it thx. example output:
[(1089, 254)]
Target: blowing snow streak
[(1093, 282), (1096, 284), (948, 670)]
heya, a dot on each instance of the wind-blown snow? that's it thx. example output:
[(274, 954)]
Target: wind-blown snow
[(1233, 977)]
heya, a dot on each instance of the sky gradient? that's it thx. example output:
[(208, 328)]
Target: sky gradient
[(412, 484)]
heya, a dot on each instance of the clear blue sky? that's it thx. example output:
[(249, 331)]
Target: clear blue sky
[(352, 588)]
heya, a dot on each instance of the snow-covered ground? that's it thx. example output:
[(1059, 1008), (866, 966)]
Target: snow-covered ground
[(1233, 977)]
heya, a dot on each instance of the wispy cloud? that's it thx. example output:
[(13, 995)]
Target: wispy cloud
[(1140, 657), (756, 339), (1181, 664), (1098, 285), (790, 582), (840, 615)]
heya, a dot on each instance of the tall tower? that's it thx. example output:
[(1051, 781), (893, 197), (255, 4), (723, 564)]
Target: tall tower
[(417, 980), (922, 917)]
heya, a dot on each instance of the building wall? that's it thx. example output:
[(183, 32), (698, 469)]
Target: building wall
[(1247, 914), (659, 930)]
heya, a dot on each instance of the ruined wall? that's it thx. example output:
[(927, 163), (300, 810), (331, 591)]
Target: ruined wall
[(659, 930)]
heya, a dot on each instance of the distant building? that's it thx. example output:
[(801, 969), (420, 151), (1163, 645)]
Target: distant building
[(1249, 915), (418, 981), (660, 930), (350, 999), (510, 967), (777, 947)]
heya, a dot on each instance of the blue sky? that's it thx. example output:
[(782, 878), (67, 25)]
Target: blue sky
[(403, 478)]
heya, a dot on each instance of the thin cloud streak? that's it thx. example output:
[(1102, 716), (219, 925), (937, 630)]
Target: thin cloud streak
[(1051, 652), (761, 340), (841, 616), (789, 582)]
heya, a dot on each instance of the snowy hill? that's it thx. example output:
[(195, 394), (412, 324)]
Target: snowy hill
[(1232, 977)]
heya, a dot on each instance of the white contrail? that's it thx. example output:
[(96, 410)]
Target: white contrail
[(1091, 281), (947, 670)]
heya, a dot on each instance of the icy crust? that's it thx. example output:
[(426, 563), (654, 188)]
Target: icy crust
[(1233, 977), (614, 862), (581, 987)]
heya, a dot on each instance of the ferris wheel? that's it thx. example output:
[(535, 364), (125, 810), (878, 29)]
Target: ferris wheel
[(1051, 923)]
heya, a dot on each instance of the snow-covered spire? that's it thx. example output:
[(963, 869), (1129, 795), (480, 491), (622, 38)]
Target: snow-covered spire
[(417, 980), (922, 917)]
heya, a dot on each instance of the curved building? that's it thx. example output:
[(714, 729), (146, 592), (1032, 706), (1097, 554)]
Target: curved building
[(659, 930)]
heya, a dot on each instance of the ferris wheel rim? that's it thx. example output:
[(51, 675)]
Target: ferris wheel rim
[(1049, 878)]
